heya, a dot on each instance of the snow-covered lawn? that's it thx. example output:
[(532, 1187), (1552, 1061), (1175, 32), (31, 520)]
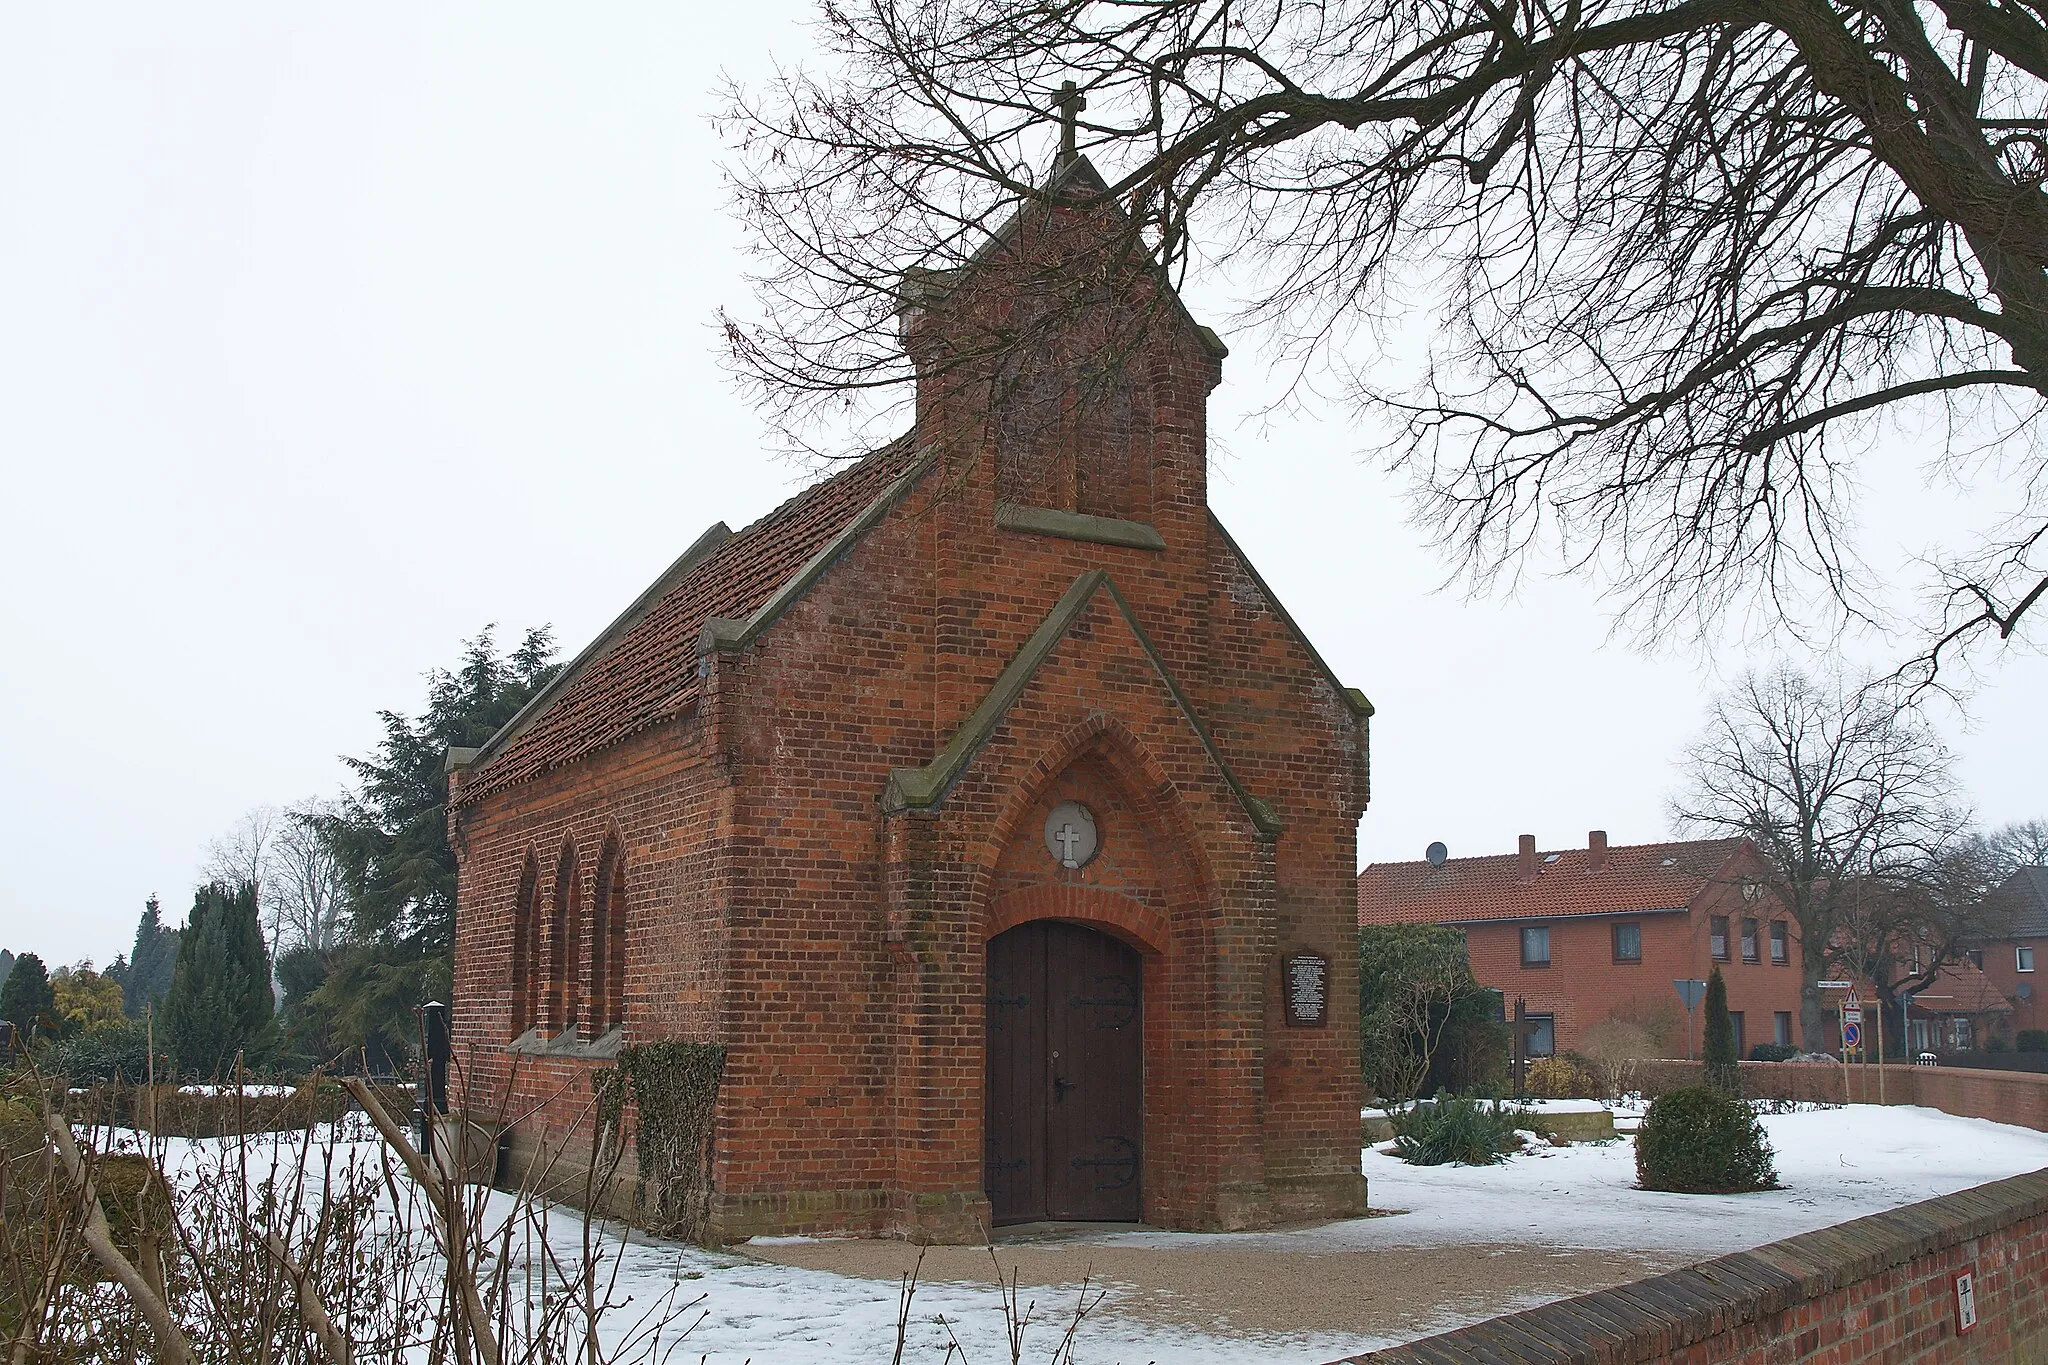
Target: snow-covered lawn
[(1836, 1164)]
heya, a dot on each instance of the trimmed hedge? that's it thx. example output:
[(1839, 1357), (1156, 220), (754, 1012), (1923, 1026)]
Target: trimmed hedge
[(1701, 1140), (2031, 1040), (1773, 1052)]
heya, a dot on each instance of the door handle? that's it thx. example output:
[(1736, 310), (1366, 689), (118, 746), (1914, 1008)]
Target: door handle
[(1060, 1086)]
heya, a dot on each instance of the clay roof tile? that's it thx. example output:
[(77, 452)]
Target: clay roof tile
[(1635, 879), (649, 675)]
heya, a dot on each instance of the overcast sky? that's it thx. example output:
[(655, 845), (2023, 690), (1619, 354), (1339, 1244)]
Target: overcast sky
[(330, 334)]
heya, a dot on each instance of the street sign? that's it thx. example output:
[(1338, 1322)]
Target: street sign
[(1689, 992), (1835, 985), (1852, 1014), (1852, 1035)]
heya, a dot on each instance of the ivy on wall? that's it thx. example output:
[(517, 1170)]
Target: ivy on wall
[(674, 1090)]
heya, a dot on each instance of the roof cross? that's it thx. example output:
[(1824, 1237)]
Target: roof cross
[(1070, 104)]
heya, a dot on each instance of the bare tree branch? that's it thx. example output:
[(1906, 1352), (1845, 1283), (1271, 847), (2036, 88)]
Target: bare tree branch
[(1684, 256)]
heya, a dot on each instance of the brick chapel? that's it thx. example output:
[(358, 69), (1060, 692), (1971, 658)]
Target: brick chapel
[(981, 800)]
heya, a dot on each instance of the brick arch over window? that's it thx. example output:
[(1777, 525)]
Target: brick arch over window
[(565, 915), (606, 988), (526, 960)]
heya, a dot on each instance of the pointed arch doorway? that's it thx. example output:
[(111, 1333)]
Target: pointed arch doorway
[(1065, 1091)]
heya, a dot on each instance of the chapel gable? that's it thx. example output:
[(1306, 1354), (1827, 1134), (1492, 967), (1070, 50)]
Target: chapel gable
[(1062, 359)]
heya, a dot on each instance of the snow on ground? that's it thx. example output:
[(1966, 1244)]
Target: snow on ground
[(1836, 1164), (1531, 1107)]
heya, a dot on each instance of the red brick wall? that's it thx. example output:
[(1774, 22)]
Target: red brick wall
[(2001, 966), (658, 796), (1584, 984), (1880, 1288)]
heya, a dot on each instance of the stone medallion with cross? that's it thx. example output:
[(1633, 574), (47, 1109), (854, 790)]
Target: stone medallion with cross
[(1070, 834)]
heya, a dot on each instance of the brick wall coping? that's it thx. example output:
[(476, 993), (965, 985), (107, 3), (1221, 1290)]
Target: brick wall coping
[(1655, 1318)]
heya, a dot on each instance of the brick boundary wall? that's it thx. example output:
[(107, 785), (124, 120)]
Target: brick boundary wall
[(1878, 1288), (2015, 1097)]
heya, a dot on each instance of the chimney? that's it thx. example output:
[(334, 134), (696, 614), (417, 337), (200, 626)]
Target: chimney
[(1596, 850), (1528, 857)]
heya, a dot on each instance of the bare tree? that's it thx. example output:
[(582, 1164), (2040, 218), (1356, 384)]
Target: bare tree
[(248, 853), (2023, 843), (307, 894), (1900, 932), (1840, 785), (1688, 258), (244, 853)]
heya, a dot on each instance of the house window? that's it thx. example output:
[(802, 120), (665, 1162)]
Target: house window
[(1628, 941), (1542, 1035), (2023, 957), (1976, 956), (1741, 1034), (1964, 1036), (1781, 1028), (1779, 952), (1749, 940), (1717, 937), (1536, 945)]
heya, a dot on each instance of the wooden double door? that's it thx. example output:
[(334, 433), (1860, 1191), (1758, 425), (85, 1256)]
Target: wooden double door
[(1065, 1075)]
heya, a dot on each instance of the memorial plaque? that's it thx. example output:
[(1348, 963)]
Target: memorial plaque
[(1305, 982)]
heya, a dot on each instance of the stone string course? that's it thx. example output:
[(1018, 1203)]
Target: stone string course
[(1880, 1288)]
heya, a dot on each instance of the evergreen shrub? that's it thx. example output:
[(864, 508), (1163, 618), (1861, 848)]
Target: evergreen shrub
[(1773, 1052), (103, 1053), (1701, 1140), (2031, 1040), (1717, 1045), (1461, 1131)]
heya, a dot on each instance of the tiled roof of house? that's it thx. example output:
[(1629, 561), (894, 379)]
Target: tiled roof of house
[(1961, 988), (2024, 897), (648, 674), (1635, 879)]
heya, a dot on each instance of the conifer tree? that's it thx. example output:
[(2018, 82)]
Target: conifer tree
[(220, 1002), (1719, 1051), (150, 962), (26, 999), (390, 839), (6, 965)]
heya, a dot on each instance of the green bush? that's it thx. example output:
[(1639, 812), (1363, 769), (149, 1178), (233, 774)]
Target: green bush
[(1717, 1044), (102, 1054), (1459, 1131), (1701, 1140), (2032, 1040), (1773, 1052)]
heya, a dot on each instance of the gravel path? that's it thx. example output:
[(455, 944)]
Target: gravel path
[(1388, 1293)]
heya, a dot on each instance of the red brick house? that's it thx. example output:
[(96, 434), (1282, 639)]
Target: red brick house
[(1583, 934), (977, 799), (2011, 961)]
